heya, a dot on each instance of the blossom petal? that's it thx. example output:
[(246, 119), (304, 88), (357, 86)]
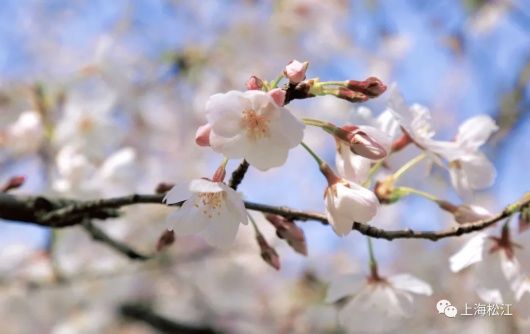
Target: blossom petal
[(471, 253), (350, 166), (179, 193), (223, 112), (188, 219), (407, 282), (205, 186), (223, 230), (474, 132)]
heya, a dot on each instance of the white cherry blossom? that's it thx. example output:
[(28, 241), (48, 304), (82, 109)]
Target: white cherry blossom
[(348, 202), (469, 168), (211, 208), (251, 125), (375, 304)]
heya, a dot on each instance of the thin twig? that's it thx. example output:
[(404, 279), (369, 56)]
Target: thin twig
[(99, 235)]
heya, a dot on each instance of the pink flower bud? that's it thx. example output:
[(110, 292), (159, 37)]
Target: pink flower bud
[(278, 95), (465, 213), (268, 254), (13, 183), (371, 87), (254, 83), (287, 229), (166, 239), (350, 95), (295, 71), (202, 136), (361, 143)]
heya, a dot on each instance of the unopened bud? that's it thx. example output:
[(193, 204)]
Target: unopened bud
[(386, 192), (202, 136), (268, 254), (13, 183), (360, 142), (465, 213), (163, 187), (350, 95), (254, 83), (371, 87), (295, 71), (287, 229), (166, 239)]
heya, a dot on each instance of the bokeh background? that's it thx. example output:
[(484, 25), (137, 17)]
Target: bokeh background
[(135, 75)]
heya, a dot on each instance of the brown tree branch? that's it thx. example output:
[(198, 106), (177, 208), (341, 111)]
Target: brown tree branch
[(99, 235), (62, 213), (143, 313)]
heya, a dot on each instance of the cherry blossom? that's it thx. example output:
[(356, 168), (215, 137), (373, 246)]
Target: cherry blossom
[(469, 168), (214, 210), (251, 125), (347, 202), (375, 298)]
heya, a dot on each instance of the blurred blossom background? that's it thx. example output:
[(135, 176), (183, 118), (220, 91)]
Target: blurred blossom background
[(122, 87)]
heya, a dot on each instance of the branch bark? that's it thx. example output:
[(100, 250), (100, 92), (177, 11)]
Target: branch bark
[(59, 213)]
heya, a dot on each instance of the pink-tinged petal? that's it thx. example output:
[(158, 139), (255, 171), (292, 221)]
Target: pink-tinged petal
[(295, 71), (205, 186), (180, 192), (350, 166), (202, 136), (344, 286), (471, 253), (475, 131), (224, 112), (348, 202), (407, 282), (286, 129), (278, 96)]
